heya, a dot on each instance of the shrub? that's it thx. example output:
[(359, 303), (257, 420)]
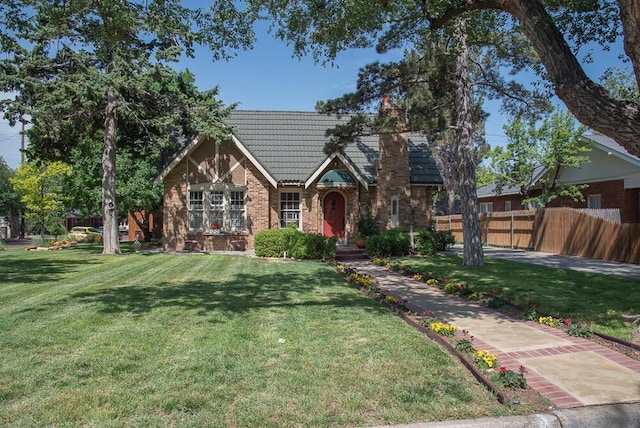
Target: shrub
[(391, 243), (377, 246), (444, 239), (312, 246), (426, 243), (399, 242), (298, 245), (367, 224), (275, 242)]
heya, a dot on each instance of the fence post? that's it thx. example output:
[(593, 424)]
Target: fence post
[(512, 229)]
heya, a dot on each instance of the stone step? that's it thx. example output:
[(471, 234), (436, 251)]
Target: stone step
[(347, 253)]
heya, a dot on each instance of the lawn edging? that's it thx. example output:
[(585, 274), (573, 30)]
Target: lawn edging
[(368, 287)]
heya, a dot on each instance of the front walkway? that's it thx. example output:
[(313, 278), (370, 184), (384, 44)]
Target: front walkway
[(569, 371)]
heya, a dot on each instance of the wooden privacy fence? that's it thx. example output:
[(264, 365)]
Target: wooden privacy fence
[(555, 230)]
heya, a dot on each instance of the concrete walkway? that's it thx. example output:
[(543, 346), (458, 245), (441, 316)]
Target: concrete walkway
[(571, 372), (576, 263)]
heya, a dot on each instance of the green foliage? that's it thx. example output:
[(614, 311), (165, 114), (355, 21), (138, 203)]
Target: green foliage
[(41, 189), (293, 243), (367, 224), (465, 346), (532, 151), (275, 242), (9, 198), (429, 241), (510, 379), (426, 242), (444, 239), (80, 67), (621, 84), (390, 243), (313, 246), (580, 329)]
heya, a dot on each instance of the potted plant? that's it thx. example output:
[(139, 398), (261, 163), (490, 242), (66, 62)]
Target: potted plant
[(367, 226)]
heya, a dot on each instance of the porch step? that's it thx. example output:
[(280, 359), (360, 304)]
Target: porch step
[(346, 253)]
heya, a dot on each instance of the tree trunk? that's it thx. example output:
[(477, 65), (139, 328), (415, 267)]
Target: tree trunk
[(109, 213), (472, 236), (589, 102), (630, 17)]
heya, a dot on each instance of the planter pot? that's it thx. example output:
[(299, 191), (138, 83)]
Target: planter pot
[(360, 242)]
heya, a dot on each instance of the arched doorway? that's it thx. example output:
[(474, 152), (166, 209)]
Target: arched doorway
[(334, 215)]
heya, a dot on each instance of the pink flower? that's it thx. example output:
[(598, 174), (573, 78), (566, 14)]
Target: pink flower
[(567, 321)]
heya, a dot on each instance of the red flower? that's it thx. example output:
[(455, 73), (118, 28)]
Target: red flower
[(503, 370), (460, 287), (567, 321)]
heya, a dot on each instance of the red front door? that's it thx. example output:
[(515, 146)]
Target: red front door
[(334, 215)]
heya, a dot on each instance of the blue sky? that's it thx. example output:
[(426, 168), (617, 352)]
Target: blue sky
[(269, 78)]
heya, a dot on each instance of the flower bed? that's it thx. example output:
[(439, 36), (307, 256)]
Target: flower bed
[(480, 363)]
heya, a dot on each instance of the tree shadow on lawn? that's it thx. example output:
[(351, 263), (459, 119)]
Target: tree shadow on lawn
[(38, 267), (246, 292)]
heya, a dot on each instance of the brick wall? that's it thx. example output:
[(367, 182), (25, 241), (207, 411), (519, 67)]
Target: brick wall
[(612, 193), (393, 180)]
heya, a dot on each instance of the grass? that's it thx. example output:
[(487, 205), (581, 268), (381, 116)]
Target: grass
[(563, 293), (194, 340)]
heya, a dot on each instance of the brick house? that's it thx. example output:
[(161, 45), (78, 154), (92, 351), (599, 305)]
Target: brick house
[(611, 174), (272, 172)]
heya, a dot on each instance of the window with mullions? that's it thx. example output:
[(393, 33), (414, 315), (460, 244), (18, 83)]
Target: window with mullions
[(216, 210), (224, 211), (196, 210), (289, 209), (236, 210)]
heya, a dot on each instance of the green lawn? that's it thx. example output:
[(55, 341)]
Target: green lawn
[(194, 340), (563, 293)]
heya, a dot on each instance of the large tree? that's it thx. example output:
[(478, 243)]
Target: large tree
[(328, 27), (86, 69)]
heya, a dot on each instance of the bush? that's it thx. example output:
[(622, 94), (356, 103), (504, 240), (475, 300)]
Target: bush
[(298, 245), (426, 243), (444, 239), (367, 225), (313, 246), (377, 246), (275, 242), (391, 243)]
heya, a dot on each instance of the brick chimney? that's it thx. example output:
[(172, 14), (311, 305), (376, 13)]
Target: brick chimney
[(393, 191)]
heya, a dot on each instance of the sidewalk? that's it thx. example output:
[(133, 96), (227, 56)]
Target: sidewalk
[(571, 372)]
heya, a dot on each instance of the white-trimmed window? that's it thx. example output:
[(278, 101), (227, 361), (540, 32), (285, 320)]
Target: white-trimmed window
[(289, 209), (486, 207), (237, 209), (225, 209), (594, 201), (196, 210)]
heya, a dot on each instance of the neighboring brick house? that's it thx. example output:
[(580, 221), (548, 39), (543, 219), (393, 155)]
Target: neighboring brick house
[(272, 172), (611, 174)]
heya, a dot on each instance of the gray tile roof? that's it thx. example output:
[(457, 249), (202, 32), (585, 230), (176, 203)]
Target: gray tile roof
[(289, 145)]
